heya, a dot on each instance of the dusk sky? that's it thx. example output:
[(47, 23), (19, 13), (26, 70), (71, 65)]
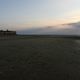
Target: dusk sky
[(24, 14)]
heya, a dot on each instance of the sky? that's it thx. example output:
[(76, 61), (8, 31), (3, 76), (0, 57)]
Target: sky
[(25, 14)]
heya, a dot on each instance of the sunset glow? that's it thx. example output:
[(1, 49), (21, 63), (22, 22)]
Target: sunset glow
[(25, 14)]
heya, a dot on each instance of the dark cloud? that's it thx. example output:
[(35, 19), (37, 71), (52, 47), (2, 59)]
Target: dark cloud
[(70, 29)]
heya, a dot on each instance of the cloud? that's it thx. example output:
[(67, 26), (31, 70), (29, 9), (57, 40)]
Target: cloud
[(66, 29)]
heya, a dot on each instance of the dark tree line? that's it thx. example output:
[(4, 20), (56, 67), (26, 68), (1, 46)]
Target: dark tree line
[(7, 33)]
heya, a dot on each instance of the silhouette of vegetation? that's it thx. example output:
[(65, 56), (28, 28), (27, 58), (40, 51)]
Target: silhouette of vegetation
[(7, 33)]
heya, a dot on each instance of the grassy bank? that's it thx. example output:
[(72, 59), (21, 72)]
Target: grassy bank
[(31, 58)]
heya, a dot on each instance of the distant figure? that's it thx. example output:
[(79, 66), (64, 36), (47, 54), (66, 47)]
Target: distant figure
[(7, 30)]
